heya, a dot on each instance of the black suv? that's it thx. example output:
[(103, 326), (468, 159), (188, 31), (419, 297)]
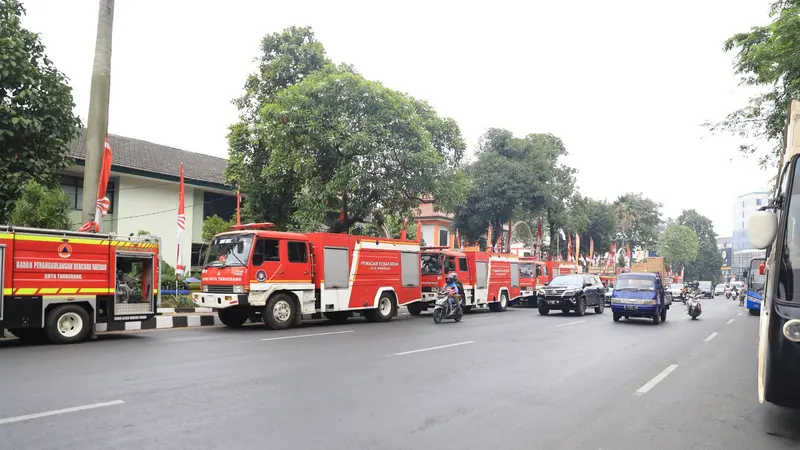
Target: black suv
[(573, 292)]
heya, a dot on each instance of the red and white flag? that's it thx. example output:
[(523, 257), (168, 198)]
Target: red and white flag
[(179, 268), (103, 203)]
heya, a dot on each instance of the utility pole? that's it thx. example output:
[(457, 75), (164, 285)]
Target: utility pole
[(97, 126)]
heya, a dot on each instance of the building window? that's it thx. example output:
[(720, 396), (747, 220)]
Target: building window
[(73, 187), (222, 205), (742, 214), (443, 238), (742, 203), (758, 202)]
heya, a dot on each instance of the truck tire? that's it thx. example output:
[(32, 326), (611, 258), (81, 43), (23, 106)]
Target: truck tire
[(753, 312), (580, 306), (233, 317), (616, 317), (280, 312), (656, 319), (664, 315), (415, 308), (503, 301), (387, 308), (68, 324), (600, 308)]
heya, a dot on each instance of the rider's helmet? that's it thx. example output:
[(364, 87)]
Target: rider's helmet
[(450, 277), (696, 284), (454, 275)]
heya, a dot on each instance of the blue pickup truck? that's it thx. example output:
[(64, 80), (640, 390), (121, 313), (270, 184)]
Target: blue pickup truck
[(640, 294)]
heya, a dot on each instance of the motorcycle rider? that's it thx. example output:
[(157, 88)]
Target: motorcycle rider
[(742, 295), (696, 293), (462, 293), (450, 283)]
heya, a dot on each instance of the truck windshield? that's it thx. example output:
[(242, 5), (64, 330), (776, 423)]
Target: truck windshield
[(227, 251), (526, 270), (431, 264), (635, 284)]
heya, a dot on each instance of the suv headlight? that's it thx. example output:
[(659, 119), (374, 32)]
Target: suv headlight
[(205, 288), (540, 292), (570, 292), (238, 289)]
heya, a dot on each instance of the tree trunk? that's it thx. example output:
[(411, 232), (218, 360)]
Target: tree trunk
[(97, 124)]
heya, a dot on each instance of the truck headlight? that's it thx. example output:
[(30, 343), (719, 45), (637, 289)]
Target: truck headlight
[(791, 330), (238, 289), (205, 288), (649, 302)]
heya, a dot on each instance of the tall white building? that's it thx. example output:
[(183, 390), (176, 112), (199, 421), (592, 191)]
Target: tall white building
[(743, 251)]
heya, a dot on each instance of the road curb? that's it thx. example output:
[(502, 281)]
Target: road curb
[(160, 322)]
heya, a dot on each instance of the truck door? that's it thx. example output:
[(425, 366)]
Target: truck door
[(2, 278), (466, 279), (134, 284), (336, 284), (481, 282)]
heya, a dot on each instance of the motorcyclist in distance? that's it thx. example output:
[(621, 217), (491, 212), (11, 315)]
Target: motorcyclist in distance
[(450, 284), (462, 293)]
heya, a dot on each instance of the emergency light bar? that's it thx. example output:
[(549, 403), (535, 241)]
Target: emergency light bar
[(255, 226)]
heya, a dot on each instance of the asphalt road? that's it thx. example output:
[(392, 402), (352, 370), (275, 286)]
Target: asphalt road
[(512, 380)]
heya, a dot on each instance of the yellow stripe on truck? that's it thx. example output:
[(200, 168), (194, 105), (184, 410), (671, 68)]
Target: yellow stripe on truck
[(68, 291), (71, 240), (8, 291), (95, 290), (25, 291), (45, 291)]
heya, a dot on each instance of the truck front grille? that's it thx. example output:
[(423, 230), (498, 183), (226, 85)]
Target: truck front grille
[(213, 289)]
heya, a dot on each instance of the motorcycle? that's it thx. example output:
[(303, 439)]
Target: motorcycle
[(693, 307), (727, 294), (444, 308)]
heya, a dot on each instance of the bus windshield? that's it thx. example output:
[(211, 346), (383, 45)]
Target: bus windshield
[(431, 264), (755, 280)]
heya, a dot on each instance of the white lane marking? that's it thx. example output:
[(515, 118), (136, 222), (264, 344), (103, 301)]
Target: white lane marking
[(571, 323), (729, 322), (479, 318), (58, 411), (434, 348), (657, 379), (712, 336), (306, 335), (741, 314)]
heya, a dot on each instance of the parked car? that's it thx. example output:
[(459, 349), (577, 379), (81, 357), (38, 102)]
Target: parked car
[(719, 290), (575, 292), (707, 289)]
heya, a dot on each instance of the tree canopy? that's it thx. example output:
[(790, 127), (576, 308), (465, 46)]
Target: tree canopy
[(511, 174), (679, 245), (709, 261), (42, 207), (638, 219), (332, 141), (36, 119), (766, 57)]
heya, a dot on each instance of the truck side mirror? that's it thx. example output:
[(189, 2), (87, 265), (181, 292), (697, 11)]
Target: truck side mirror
[(762, 227)]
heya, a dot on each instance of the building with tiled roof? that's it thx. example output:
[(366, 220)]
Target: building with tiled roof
[(143, 190)]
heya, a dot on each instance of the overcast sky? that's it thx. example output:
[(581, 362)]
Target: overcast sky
[(626, 84)]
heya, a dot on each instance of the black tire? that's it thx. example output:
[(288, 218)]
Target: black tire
[(580, 306), (544, 310), (387, 308), (338, 316), (503, 301), (664, 315), (68, 324), (600, 308), (438, 315), (415, 308), (30, 334), (616, 317), (458, 315), (754, 312), (280, 312), (233, 317), (656, 319)]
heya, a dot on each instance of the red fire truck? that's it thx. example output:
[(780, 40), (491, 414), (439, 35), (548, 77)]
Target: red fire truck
[(64, 285), (489, 279), (534, 274), (281, 277)]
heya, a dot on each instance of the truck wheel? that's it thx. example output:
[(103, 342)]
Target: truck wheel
[(580, 307), (503, 301), (753, 312), (664, 315), (67, 324), (29, 334), (233, 317), (616, 317), (544, 310), (280, 312), (656, 319), (600, 308), (415, 308), (387, 307)]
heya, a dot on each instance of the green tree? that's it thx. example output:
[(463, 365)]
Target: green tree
[(559, 191), (339, 142), (511, 175), (394, 225), (215, 225), (678, 245), (709, 261), (36, 119), (766, 58), (638, 218), (595, 219), (42, 207)]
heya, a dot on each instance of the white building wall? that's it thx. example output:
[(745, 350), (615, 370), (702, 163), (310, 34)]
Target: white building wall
[(428, 232), (147, 205), (195, 215)]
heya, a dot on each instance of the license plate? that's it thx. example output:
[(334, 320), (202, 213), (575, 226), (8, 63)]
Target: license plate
[(551, 302), (634, 307), (208, 299)]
